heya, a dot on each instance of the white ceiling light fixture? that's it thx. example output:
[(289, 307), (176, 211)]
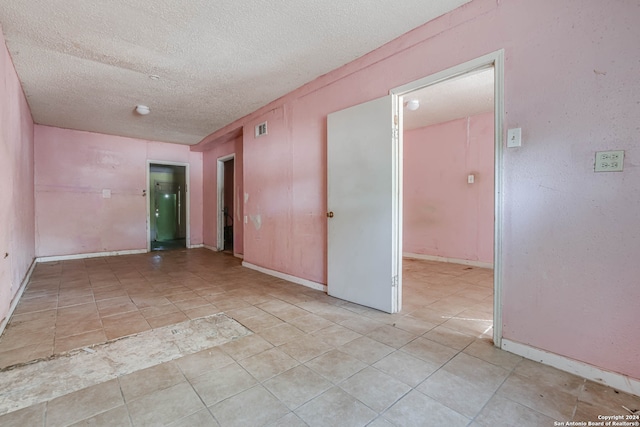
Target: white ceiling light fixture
[(413, 104), (143, 110)]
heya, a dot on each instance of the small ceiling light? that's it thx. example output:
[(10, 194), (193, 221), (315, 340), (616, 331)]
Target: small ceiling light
[(143, 110), (413, 104)]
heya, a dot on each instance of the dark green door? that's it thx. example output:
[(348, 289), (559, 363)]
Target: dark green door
[(166, 211)]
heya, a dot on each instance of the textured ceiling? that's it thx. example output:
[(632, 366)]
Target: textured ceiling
[(464, 96), (85, 64)]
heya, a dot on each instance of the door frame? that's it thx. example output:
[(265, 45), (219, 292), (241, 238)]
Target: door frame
[(495, 59), (220, 184), (186, 194)]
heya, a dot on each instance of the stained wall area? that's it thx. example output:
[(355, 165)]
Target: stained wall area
[(443, 214), (73, 168), (569, 283), (16, 183)]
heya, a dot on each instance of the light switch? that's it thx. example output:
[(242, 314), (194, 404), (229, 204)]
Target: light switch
[(106, 193), (514, 137), (609, 161), (471, 178)]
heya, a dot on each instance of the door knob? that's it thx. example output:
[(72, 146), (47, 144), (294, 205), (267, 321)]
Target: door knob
[(330, 214)]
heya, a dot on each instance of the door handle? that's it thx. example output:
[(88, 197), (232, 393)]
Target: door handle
[(329, 214)]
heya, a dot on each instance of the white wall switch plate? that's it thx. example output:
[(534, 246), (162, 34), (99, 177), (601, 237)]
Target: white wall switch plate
[(471, 178), (514, 137), (106, 193), (609, 161)]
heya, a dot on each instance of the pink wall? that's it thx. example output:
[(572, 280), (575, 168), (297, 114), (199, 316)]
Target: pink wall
[(72, 168), (444, 215), (210, 192), (571, 239), (16, 183)]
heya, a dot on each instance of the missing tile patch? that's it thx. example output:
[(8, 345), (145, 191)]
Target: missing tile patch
[(42, 380)]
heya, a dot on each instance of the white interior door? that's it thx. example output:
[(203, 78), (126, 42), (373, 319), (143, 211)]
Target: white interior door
[(363, 186)]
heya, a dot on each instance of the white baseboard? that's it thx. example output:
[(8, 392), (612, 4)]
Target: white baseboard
[(241, 256), (451, 260), (196, 246), (17, 296), (288, 277), (584, 370), (211, 248), (89, 255)]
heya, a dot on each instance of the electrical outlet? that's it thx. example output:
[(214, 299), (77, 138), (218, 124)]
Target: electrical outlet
[(609, 161)]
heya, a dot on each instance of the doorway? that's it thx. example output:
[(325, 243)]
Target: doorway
[(448, 204), (168, 206), (373, 130), (226, 206)]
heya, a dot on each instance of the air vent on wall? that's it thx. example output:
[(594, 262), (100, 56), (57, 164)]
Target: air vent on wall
[(261, 129)]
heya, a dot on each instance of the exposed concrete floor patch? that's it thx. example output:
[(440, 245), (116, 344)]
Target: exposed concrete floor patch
[(40, 381)]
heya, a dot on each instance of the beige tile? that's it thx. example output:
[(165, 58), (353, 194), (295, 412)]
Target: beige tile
[(201, 418), (416, 409), (603, 396), (253, 407), (30, 416), (246, 346), (485, 350), (501, 411), (191, 303), (283, 310), (166, 319), (84, 403), (336, 366), (391, 336), (160, 310), (79, 341), (281, 334), (367, 350), (464, 396), (546, 399), (449, 337), (549, 376), (240, 314), (203, 362), (80, 325), (165, 406), (222, 383), (121, 325), (149, 380), (406, 368), (306, 348), (310, 323), (297, 386), (268, 364), (375, 389), (335, 407), (118, 305), (429, 351), (336, 335), (114, 417), (289, 420), (261, 322), (361, 325), (413, 325), (476, 371)]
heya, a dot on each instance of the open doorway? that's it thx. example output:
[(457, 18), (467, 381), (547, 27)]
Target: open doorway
[(168, 205), (364, 157), (448, 146), (226, 195)]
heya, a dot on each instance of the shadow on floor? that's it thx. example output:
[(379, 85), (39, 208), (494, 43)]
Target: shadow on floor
[(168, 245)]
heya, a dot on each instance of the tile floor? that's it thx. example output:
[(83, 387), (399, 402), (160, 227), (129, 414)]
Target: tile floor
[(312, 360)]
